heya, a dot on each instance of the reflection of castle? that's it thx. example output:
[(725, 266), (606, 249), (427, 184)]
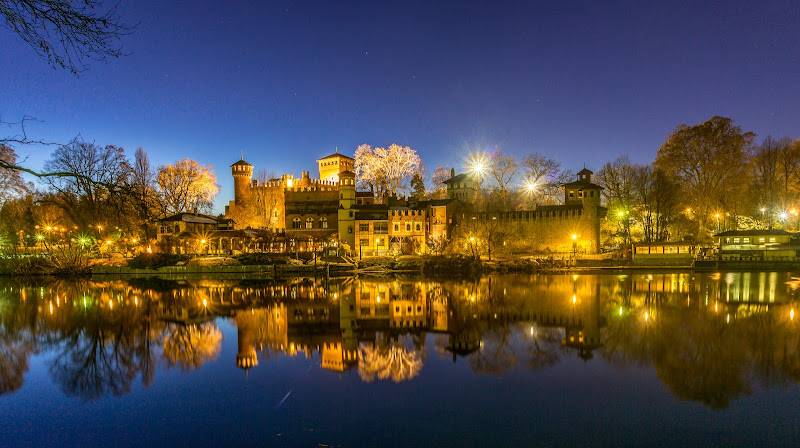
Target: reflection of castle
[(354, 312)]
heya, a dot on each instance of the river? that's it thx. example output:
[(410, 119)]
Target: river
[(661, 359)]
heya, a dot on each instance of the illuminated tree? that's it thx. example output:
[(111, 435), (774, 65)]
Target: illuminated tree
[(622, 183), (440, 174), (386, 170), (90, 186), (543, 178), (502, 169), (187, 186), (11, 183), (710, 160)]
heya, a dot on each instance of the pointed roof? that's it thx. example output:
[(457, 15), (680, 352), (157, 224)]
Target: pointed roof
[(585, 171), (241, 162)]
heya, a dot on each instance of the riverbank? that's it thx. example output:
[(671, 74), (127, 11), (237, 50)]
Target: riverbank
[(178, 267)]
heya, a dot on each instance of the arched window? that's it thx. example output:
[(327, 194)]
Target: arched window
[(323, 222), (309, 223), (296, 223)]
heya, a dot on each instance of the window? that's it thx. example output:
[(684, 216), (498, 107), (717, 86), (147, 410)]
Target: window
[(363, 242), (380, 241), (728, 240), (736, 240), (408, 227), (419, 227), (349, 229), (380, 227), (746, 240), (323, 222), (397, 227), (772, 239), (580, 193), (591, 194), (571, 194), (363, 227), (309, 223), (296, 223), (761, 240)]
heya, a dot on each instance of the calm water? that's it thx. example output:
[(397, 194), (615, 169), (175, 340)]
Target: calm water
[(546, 360)]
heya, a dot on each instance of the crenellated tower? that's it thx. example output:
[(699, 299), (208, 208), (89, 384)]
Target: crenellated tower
[(242, 175)]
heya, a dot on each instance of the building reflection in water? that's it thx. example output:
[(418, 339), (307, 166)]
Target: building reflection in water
[(710, 337)]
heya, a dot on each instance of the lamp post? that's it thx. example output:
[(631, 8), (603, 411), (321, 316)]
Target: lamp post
[(717, 217)]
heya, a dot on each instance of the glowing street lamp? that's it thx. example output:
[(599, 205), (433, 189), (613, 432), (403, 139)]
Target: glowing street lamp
[(478, 165)]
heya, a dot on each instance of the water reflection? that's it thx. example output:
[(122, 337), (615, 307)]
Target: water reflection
[(709, 337)]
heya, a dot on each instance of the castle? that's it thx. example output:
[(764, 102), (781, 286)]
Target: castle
[(312, 212)]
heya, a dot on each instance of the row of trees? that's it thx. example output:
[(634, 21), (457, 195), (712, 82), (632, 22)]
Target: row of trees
[(707, 177), (398, 170), (87, 188)]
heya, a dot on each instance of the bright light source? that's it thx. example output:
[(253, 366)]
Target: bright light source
[(478, 165), (574, 237)]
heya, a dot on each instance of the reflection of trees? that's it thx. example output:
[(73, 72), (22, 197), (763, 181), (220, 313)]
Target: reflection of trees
[(396, 359), (496, 354), (17, 339), (704, 362), (544, 347), (190, 346), (100, 351), (696, 354)]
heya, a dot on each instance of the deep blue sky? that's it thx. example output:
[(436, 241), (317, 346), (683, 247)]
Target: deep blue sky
[(286, 82)]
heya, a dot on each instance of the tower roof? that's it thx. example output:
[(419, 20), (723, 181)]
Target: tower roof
[(585, 171), (241, 162)]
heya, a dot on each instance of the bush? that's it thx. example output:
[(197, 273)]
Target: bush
[(262, 259), (155, 261)]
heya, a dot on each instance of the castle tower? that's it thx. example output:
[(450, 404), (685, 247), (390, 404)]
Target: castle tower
[(586, 194), (347, 201), (242, 174), (331, 166)]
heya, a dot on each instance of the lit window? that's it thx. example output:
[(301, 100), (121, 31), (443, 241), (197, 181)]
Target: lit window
[(772, 239), (310, 223), (296, 223), (736, 240), (323, 222), (761, 240), (746, 240)]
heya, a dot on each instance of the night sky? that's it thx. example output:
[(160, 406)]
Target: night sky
[(287, 82)]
